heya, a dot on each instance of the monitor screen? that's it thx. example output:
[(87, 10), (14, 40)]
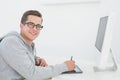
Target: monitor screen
[(101, 33)]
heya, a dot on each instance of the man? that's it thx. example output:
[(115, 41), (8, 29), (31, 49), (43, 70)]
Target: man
[(17, 53)]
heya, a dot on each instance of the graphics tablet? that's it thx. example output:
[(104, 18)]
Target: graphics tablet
[(76, 70)]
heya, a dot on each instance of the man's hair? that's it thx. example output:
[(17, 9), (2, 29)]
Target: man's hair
[(30, 12)]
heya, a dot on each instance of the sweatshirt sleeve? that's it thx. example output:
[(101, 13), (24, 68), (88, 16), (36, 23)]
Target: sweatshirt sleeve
[(22, 61)]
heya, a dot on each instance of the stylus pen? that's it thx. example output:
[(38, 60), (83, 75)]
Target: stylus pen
[(71, 58)]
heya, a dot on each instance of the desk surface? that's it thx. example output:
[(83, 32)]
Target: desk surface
[(89, 74)]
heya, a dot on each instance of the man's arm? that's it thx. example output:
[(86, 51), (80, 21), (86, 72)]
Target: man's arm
[(23, 62)]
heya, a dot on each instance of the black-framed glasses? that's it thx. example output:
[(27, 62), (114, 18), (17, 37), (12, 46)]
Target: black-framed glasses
[(32, 25)]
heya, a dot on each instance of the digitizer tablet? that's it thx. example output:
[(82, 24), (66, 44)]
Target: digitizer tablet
[(76, 70)]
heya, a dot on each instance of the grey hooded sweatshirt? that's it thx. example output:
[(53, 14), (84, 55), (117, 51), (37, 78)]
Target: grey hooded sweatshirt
[(17, 61)]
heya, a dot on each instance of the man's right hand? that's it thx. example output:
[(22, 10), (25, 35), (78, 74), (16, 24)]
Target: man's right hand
[(70, 64)]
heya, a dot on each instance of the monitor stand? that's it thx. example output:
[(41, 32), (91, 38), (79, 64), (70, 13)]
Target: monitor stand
[(107, 68)]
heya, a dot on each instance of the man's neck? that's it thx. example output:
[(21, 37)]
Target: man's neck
[(26, 40)]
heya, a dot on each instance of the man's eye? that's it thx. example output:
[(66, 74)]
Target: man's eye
[(31, 23)]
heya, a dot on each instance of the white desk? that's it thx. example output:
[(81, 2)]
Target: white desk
[(89, 74)]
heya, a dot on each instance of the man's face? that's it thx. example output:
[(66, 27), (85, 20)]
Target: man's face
[(30, 33)]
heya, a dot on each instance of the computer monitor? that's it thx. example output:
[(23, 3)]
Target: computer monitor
[(103, 43), (101, 33)]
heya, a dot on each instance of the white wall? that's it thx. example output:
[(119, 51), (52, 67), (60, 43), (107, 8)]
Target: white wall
[(69, 29)]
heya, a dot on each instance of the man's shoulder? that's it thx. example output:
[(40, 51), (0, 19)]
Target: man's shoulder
[(11, 37)]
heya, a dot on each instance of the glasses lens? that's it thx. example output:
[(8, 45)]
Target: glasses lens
[(30, 24), (39, 27)]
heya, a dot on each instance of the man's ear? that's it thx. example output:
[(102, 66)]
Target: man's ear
[(21, 25)]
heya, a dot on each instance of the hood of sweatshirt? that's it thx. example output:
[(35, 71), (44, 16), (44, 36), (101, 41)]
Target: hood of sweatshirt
[(16, 34)]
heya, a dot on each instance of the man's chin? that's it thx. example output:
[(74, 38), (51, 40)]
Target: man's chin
[(32, 39)]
